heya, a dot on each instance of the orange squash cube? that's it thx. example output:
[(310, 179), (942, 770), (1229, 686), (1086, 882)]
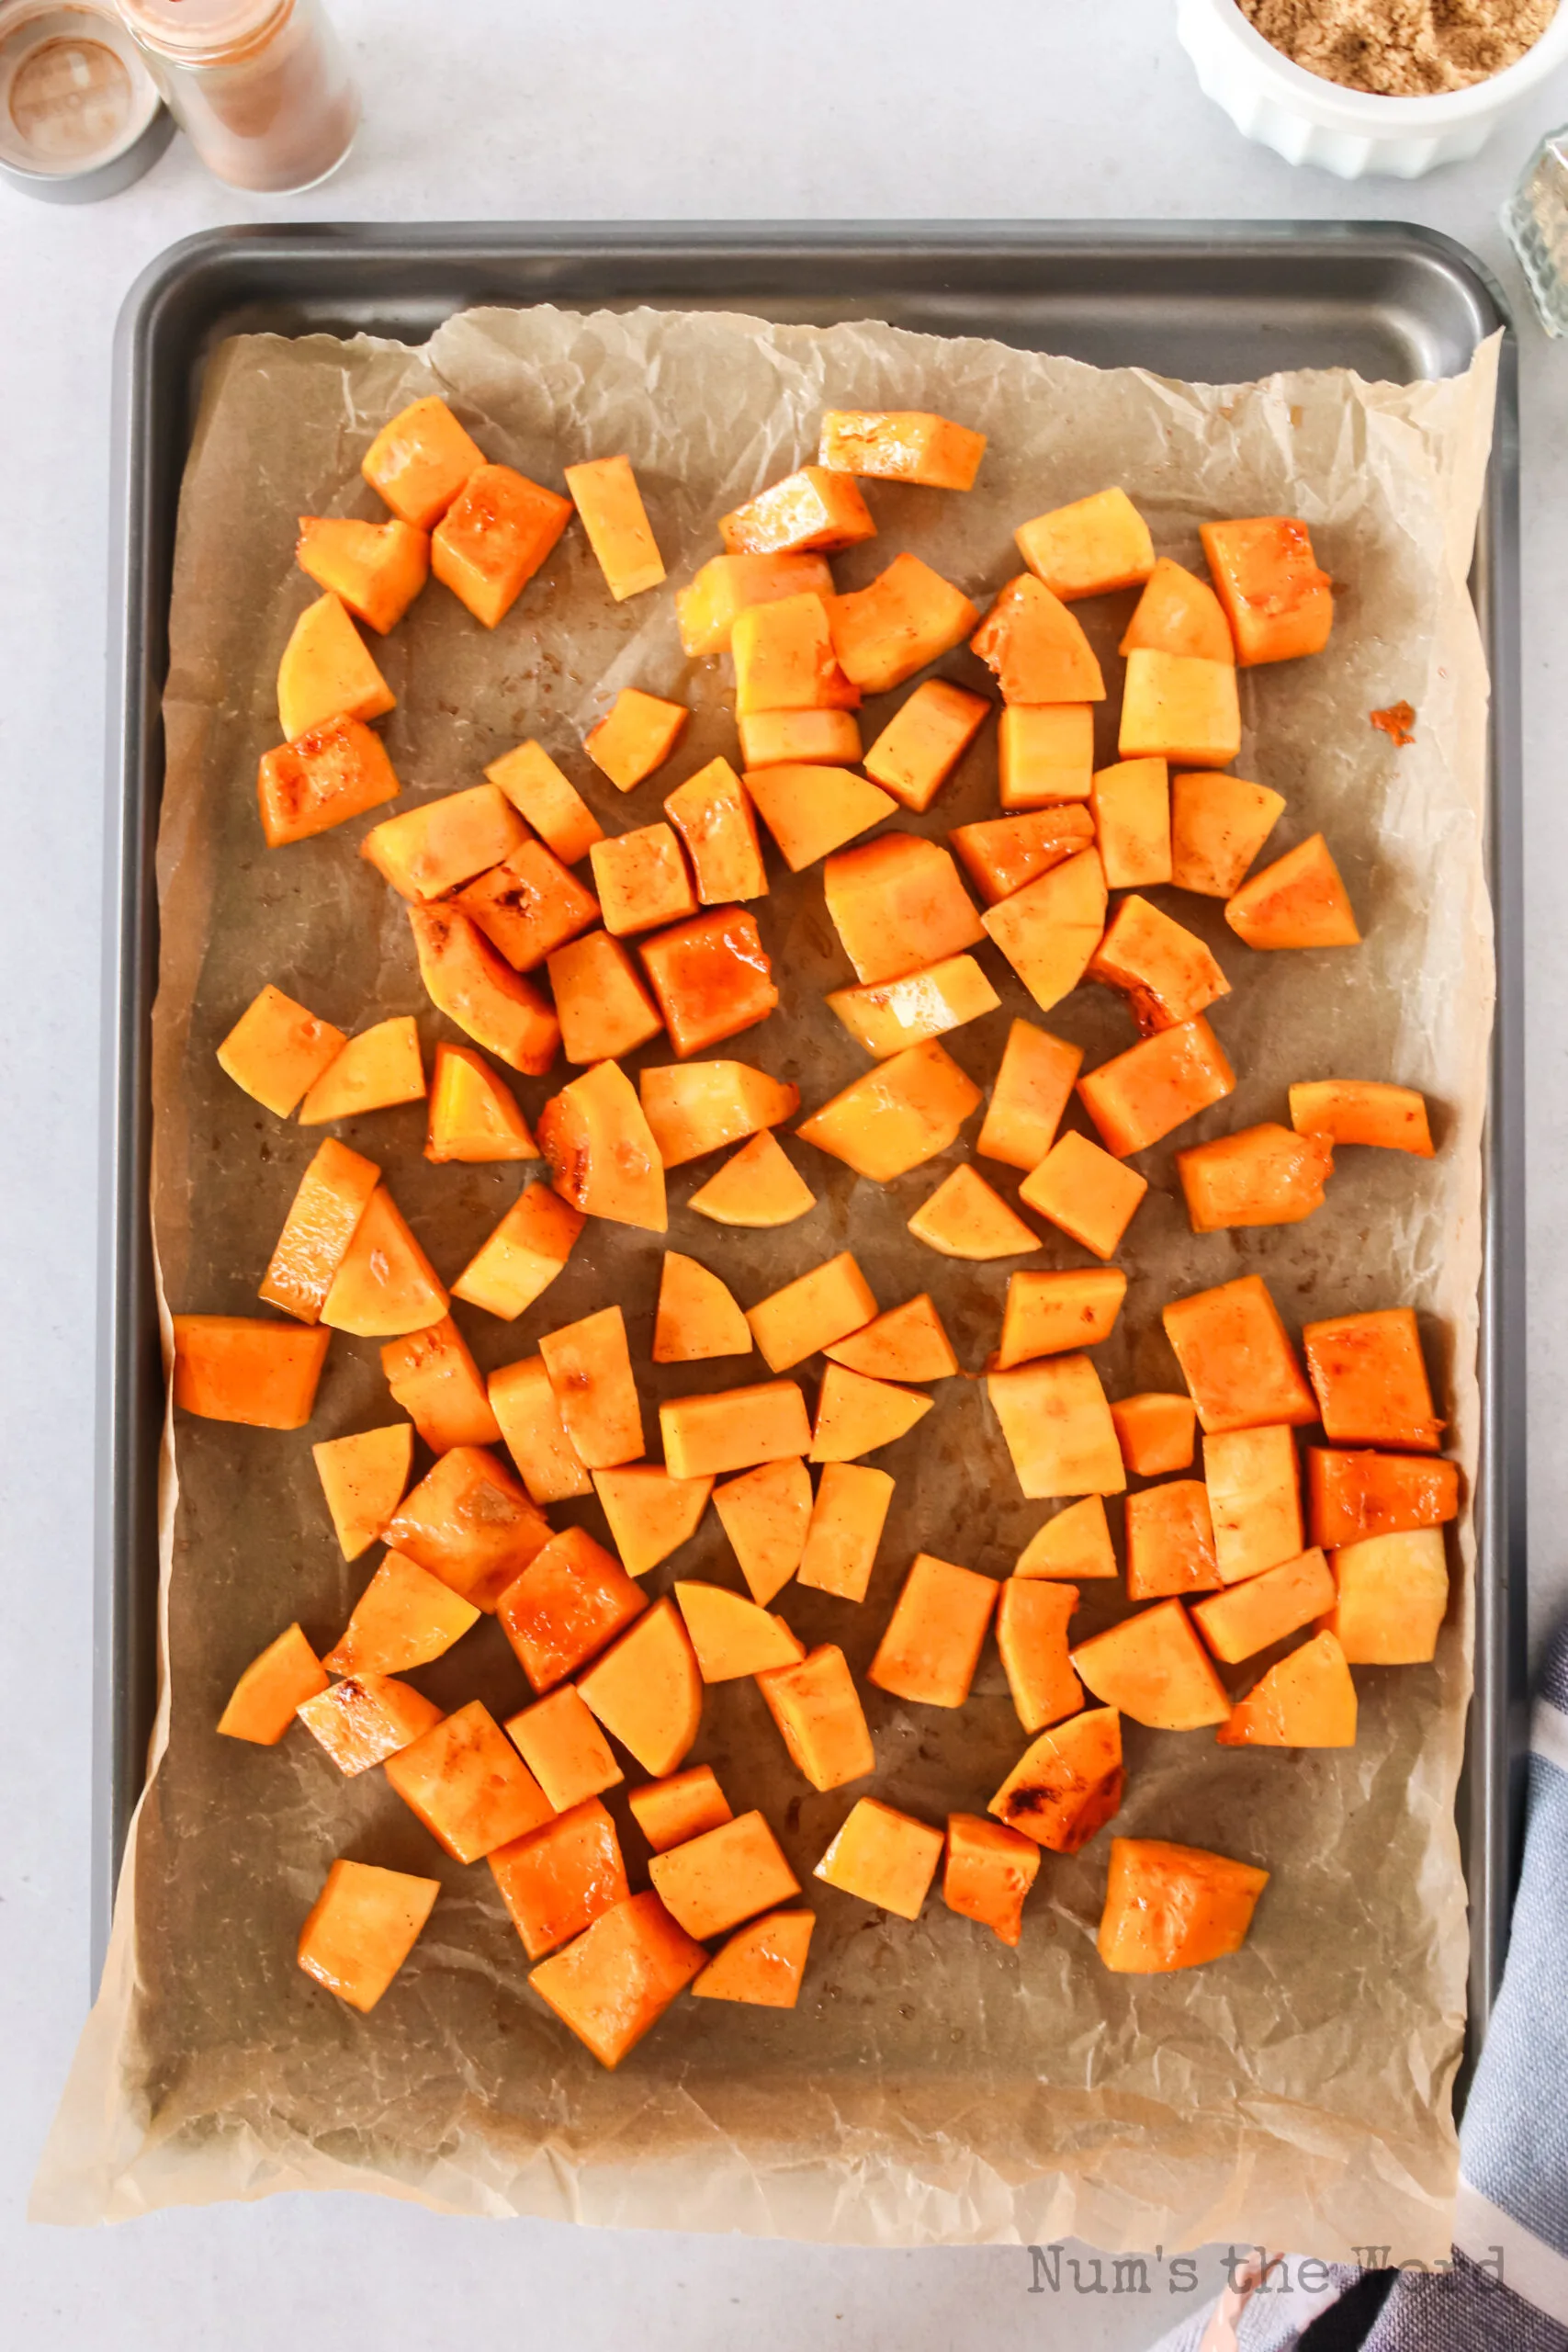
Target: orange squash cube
[(428, 851), (935, 1636), (470, 1524), (1170, 1541), (602, 1155), (327, 673), (762, 1963), (277, 1051), (1045, 753), (1140, 1097), (1178, 613), (1254, 1615), (571, 1598), (529, 905), (711, 978), (986, 1872), (494, 537), (1036, 648), (758, 1186), (1131, 803), (525, 1405), (885, 1857), (895, 1013), (564, 1749), (420, 460), (647, 1691), (808, 1314), (785, 658), (557, 1880), (1053, 1313), (1076, 1543), (1031, 1640), (272, 1690), (376, 568), (605, 1010), (706, 613), (1166, 972), (361, 1928), (615, 1981), (765, 1513), (1067, 1784), (1308, 1700), (377, 1069), (1370, 1381), (650, 1513), (590, 1366), (1156, 1432), (697, 1316), (1299, 901), (811, 510), (1089, 548), (1033, 1088), (1390, 1596), (825, 739), (1173, 1907), (241, 1368), (1153, 1668), (901, 445), (474, 1114), (856, 1415), (1356, 1494), (670, 1812), (846, 1523), (384, 1284), (907, 616), (1174, 707), (332, 1195), (924, 741), (810, 812), (898, 906), (605, 494), (433, 1375), (1000, 856), (1264, 1175), (636, 736), (1279, 603), (731, 1636), (1218, 824), (704, 1105), (1084, 1193), (545, 799), (1059, 1428), (734, 1429), (405, 1617), (1359, 1109), (642, 880), (1237, 1363), (965, 1218), (817, 1708), (336, 770), (477, 988), (713, 816), (1049, 929), (366, 1718), (908, 1344), (363, 1478)]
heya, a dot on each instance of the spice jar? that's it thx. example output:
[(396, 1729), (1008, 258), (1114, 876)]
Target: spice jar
[(259, 87), (79, 114)]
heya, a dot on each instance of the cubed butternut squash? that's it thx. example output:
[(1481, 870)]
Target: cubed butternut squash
[(605, 492), (1130, 804), (474, 1115), (885, 1857), (1032, 1089), (1049, 929), (1075, 1544), (1004, 852), (430, 850), (988, 1870), (1253, 1616), (366, 1718), (734, 1429), (901, 445), (1177, 708), (897, 1116), (327, 671), (810, 812), (544, 798), (846, 1523), (1299, 901), (525, 1405), (376, 568), (363, 1478), (758, 1186), (670, 1811), (1084, 1193), (1263, 1175), (1254, 1485), (907, 616), (1173, 1907), (813, 510), (725, 585), (1156, 1432), (817, 1708), (813, 739), (1036, 648), (642, 880), (650, 1513), (379, 1068), (924, 741), (1390, 1596), (785, 658), (702, 1106), (1165, 971), (1044, 753), (728, 1875), (1360, 1110), (242, 1368), (433, 1375), (811, 1312), (933, 1638), (1277, 598), (964, 1218), (605, 1010), (361, 1928), (332, 771), (765, 1513), (895, 1013), (470, 1524), (713, 818), (762, 1963), (590, 1370), (1031, 1641), (615, 1981), (277, 1049), (697, 1316), (1235, 1358), (1153, 1668), (647, 1691), (1218, 824), (332, 1195), (731, 1636), (856, 1415), (420, 460), (494, 536), (529, 905), (1370, 1380), (557, 1880), (1307, 1700), (571, 1598), (564, 1749), (1178, 613), (1140, 1097), (1059, 1428), (602, 1155), (1095, 544), (1067, 1784), (637, 735), (405, 1617), (384, 1284), (1170, 1541), (474, 986), (711, 978), (1356, 1494), (898, 906), (908, 1344), (273, 1688)]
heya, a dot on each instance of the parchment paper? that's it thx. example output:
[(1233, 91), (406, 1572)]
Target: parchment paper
[(931, 2086)]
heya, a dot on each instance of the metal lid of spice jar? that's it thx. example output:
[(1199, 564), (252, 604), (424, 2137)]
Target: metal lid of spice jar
[(80, 115)]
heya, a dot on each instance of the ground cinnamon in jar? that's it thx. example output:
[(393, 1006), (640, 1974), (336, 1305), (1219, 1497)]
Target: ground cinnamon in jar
[(1402, 48)]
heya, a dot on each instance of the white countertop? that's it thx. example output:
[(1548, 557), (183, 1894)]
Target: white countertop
[(690, 109)]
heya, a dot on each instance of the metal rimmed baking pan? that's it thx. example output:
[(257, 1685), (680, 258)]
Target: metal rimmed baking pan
[(1208, 302)]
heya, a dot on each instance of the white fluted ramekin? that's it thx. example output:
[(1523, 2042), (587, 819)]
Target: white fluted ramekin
[(1350, 132)]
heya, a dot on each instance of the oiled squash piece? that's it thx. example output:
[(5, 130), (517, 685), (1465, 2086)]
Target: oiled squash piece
[(1032, 1087), (327, 671), (1218, 824), (241, 1368), (558, 1879), (1049, 929), (762, 1963), (1173, 1907), (605, 1008), (273, 1688), (1140, 1097), (1391, 1595), (641, 879), (1357, 1495), (525, 1405), (1084, 1193), (474, 1114), (1156, 1432), (1253, 1616), (650, 1513), (758, 1186), (714, 1882), (935, 1636), (522, 1258), (1165, 971), (530, 904), (590, 1366), (420, 460), (376, 568), (494, 537), (571, 1598), (470, 1524), (697, 1316), (1170, 1541), (908, 1344), (1308, 1700), (817, 1708), (473, 985), (1235, 1358), (647, 1691), (384, 1284), (602, 1155), (1075, 1544), (924, 741), (366, 1718), (811, 809), (546, 800), (734, 1429), (706, 613), (361, 1928), (1263, 1175), (846, 1523), (856, 1415), (433, 1375), (403, 1618), (332, 1195), (901, 445), (1254, 1494), (699, 1107), (605, 494), (813, 739), (898, 906), (713, 816), (1059, 1428), (637, 735), (895, 1013), (615, 1981), (731, 1636), (1131, 803), (711, 978), (1278, 600), (907, 615), (1153, 1668), (1175, 708), (379, 1068), (809, 1312), (1031, 1641), (1095, 544), (811, 510), (784, 659), (988, 1870), (1005, 852), (965, 1218), (765, 1514), (332, 771), (363, 1478), (885, 1857), (431, 849), (1359, 1109), (1045, 755), (564, 1749), (1370, 1380), (277, 1049), (1299, 901), (1036, 647), (1178, 613), (1067, 1784), (670, 1810), (897, 1116)]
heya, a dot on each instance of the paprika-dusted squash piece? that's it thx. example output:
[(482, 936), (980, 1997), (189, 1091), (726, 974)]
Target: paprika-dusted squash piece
[(897, 1116), (363, 1478), (765, 1513), (884, 1856), (605, 1010), (420, 460), (1177, 612), (332, 771), (1175, 708), (1391, 1595), (901, 445), (379, 1068), (846, 1523), (475, 988), (965, 1218), (468, 1784), (590, 1366), (1076, 1543), (403, 1618), (430, 850), (1370, 1380), (817, 1708), (908, 1344), (670, 1811), (1218, 824), (637, 735), (1130, 804), (734, 1429), (1279, 603), (361, 1928), (605, 494), (242, 1368), (758, 1186), (602, 1158), (1052, 1314), (385, 1284), (856, 1415), (1156, 1432), (924, 741), (1032, 1089), (762, 1963), (906, 616), (641, 879), (808, 1314), (1059, 1428), (615, 1981), (1095, 544), (1084, 1193), (1067, 1784), (713, 816), (272, 1690), (811, 739), (1153, 1668), (1263, 1175), (714, 1882), (898, 906), (1163, 970), (1004, 852), (706, 613), (646, 1690), (543, 798), (784, 659), (1307, 1700), (731, 1636), (558, 1879), (1173, 1907), (1036, 648), (525, 1404), (711, 978), (935, 1636), (703, 1106), (277, 1049), (332, 1195), (1044, 753), (697, 1316), (1235, 1358), (470, 1524), (895, 1013), (433, 1375), (521, 1259), (1299, 901), (366, 1718), (474, 1114), (327, 673), (1031, 1640), (564, 1749), (988, 1870), (376, 568), (529, 905), (1140, 1097), (1170, 1541), (494, 537), (571, 1598), (1360, 1110), (811, 810), (1049, 929), (1254, 1494), (1356, 1494), (1254, 1615), (811, 510), (650, 1513)]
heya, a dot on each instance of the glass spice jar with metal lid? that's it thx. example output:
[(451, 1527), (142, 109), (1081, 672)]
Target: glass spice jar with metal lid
[(259, 87)]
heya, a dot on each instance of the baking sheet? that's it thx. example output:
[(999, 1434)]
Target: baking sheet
[(928, 2086)]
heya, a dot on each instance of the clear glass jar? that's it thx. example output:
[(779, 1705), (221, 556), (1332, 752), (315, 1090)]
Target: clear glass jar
[(259, 87), (1536, 217)]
